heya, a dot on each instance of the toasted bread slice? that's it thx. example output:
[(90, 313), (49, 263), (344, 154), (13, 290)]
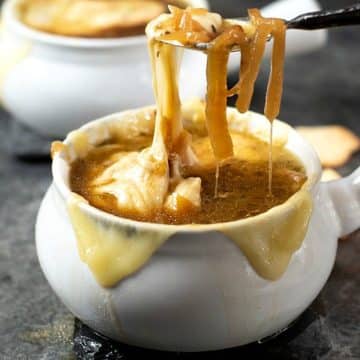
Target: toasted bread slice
[(334, 143), (91, 18)]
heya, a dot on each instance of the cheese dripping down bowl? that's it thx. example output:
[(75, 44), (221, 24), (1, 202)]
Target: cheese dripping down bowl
[(54, 84), (191, 287)]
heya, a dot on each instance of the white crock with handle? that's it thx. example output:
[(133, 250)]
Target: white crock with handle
[(198, 291)]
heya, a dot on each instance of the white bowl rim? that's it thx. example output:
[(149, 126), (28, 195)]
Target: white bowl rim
[(65, 192), (10, 18)]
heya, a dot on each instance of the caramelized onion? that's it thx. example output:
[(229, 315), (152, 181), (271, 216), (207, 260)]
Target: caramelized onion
[(216, 72), (182, 27)]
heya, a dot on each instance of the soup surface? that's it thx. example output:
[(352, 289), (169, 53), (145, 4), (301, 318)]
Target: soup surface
[(242, 189), (92, 18)]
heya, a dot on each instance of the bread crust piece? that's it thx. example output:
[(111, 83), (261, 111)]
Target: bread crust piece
[(334, 143), (90, 18)]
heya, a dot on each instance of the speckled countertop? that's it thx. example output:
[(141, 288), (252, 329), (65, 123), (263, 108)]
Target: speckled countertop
[(320, 88)]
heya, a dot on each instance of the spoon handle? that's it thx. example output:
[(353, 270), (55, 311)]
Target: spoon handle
[(326, 18)]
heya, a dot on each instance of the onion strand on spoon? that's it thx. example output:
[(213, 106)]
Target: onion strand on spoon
[(199, 29)]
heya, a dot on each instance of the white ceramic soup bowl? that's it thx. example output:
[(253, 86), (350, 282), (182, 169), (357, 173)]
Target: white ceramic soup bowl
[(198, 291), (55, 83)]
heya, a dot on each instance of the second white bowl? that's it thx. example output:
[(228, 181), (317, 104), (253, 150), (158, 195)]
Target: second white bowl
[(54, 84)]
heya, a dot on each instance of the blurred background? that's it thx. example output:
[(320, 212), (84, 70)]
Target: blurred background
[(321, 87)]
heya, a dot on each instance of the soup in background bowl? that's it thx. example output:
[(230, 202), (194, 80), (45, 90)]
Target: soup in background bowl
[(94, 18), (194, 277)]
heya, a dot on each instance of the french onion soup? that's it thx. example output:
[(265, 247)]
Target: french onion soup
[(92, 18), (193, 163), (176, 176), (242, 188)]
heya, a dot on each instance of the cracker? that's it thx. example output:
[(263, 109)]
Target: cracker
[(334, 143), (330, 174)]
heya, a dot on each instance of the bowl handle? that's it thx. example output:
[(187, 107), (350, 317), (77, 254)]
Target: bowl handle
[(344, 202)]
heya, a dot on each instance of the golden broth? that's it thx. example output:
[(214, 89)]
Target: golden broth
[(242, 188)]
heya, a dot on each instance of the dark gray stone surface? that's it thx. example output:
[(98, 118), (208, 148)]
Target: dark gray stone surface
[(320, 88)]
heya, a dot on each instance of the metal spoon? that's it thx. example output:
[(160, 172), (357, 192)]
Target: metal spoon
[(310, 21)]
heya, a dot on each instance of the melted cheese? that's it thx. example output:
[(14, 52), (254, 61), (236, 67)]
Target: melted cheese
[(185, 197), (131, 180), (268, 244), (112, 252)]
